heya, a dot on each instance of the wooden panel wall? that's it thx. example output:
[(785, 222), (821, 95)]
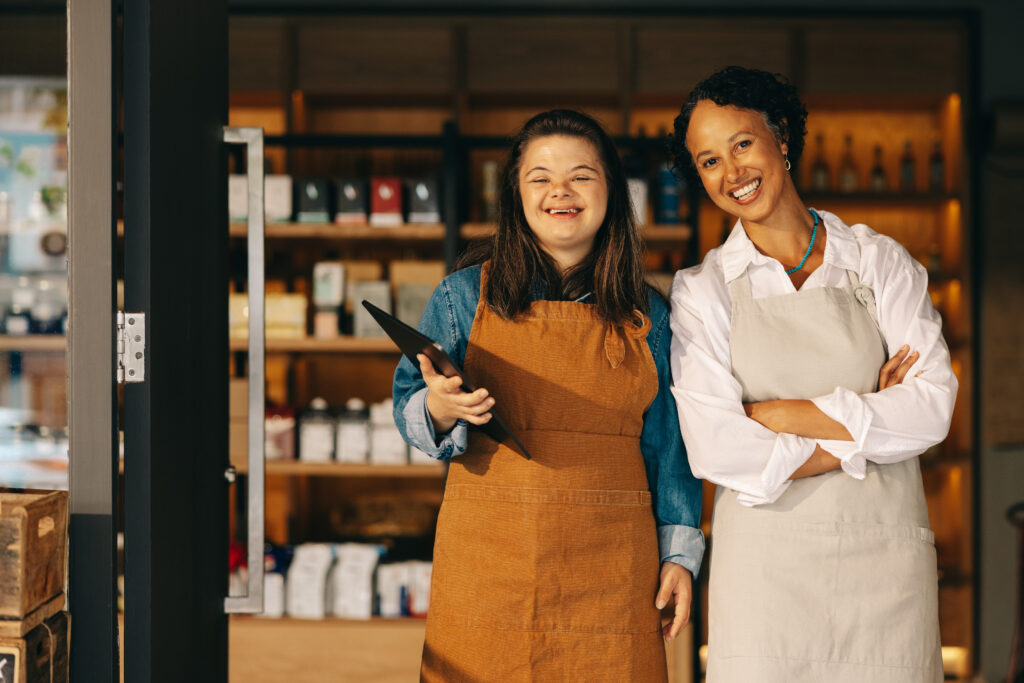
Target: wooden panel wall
[(398, 57), (257, 55), (563, 56), (671, 59), (884, 58)]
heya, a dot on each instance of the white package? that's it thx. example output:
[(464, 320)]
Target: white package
[(273, 595), (351, 580), (277, 197), (306, 588), (392, 588), (419, 587)]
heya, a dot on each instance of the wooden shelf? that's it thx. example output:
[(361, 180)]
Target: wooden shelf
[(34, 342), (408, 232), (344, 344), (295, 468), (880, 198), (650, 233), (262, 650)]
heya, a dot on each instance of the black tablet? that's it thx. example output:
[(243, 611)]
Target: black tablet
[(411, 342)]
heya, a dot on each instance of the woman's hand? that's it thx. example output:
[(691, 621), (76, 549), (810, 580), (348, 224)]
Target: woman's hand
[(821, 461), (675, 582), (447, 403), (896, 368)]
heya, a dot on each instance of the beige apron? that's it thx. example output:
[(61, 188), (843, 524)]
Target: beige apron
[(547, 569), (836, 581)]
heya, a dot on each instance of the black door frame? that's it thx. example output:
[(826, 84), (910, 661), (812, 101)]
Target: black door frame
[(176, 272)]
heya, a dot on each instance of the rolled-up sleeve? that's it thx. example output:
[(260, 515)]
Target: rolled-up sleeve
[(676, 492), (409, 391), (724, 445), (902, 421)]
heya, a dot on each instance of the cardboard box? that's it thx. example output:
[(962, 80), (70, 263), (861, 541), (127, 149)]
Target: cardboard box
[(377, 293), (385, 202), (313, 200), (423, 200), (352, 205)]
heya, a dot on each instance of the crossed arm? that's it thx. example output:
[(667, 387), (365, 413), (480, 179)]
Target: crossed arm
[(803, 418)]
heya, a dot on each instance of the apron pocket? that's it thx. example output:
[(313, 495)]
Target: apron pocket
[(888, 577), (770, 593)]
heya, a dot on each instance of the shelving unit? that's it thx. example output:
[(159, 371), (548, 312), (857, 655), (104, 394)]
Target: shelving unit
[(344, 344), (294, 468), (338, 99), (50, 343)]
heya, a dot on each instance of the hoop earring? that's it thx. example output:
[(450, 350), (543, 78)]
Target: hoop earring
[(788, 165)]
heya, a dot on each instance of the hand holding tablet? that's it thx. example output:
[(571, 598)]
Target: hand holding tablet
[(412, 342)]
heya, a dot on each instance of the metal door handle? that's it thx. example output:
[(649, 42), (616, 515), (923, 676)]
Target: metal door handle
[(252, 601)]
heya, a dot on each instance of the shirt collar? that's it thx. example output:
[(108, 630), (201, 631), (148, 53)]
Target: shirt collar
[(841, 249)]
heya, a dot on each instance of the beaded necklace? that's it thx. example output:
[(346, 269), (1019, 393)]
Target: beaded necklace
[(814, 233)]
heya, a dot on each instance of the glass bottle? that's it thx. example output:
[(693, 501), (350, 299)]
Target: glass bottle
[(667, 208), (353, 435), (936, 169), (848, 169), (878, 183), (316, 432), (908, 170), (489, 192), (819, 171)]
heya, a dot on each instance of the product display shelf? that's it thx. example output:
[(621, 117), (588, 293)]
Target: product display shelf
[(354, 470), (263, 650), (342, 344), (877, 198), (407, 232), (660, 234), (34, 342)]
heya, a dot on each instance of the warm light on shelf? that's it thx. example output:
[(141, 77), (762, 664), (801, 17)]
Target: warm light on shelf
[(954, 661)]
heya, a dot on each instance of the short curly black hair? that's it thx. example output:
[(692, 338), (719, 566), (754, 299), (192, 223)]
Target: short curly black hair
[(771, 95)]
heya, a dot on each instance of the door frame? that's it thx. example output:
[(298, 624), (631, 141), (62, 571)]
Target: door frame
[(92, 390), (176, 273)]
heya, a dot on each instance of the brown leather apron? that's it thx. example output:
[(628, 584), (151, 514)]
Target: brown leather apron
[(547, 569)]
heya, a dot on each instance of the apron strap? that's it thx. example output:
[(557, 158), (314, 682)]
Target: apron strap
[(865, 296), (739, 289)]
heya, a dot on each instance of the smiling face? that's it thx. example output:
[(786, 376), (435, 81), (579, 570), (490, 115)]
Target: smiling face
[(565, 195), (739, 160)]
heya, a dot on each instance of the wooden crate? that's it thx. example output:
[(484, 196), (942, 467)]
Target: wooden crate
[(33, 543), (41, 656)]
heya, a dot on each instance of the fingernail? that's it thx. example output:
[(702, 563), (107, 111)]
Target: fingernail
[(905, 346), (660, 604)]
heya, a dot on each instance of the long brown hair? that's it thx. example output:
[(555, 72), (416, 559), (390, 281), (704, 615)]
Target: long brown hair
[(613, 270)]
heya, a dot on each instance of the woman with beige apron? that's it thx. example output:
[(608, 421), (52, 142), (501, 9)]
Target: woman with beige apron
[(554, 567), (823, 567)]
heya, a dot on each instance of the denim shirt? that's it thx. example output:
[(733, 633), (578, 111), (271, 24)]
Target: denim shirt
[(676, 493)]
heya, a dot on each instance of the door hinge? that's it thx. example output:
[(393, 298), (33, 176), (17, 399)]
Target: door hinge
[(131, 347)]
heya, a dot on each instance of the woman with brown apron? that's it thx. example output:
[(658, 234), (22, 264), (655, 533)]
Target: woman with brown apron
[(555, 567), (823, 565)]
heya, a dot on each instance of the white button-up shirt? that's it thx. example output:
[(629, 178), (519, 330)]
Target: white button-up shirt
[(728, 448)]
